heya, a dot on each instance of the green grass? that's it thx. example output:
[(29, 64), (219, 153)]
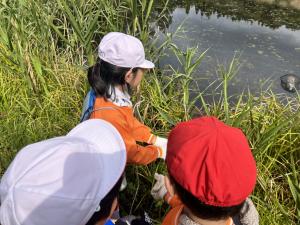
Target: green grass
[(271, 123), (45, 49)]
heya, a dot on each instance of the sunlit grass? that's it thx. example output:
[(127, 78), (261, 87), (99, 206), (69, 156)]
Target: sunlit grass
[(270, 121)]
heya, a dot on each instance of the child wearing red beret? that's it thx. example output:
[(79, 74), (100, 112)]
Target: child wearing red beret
[(211, 173)]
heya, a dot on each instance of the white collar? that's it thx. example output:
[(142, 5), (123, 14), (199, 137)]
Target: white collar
[(120, 98)]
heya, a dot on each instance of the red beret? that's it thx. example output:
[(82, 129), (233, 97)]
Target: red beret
[(212, 161)]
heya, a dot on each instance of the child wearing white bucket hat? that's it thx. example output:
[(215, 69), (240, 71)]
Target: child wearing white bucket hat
[(69, 180), (120, 67)]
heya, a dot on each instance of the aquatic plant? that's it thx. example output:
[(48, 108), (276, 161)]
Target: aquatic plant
[(45, 47)]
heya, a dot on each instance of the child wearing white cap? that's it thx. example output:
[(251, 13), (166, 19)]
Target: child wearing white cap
[(119, 69), (69, 180)]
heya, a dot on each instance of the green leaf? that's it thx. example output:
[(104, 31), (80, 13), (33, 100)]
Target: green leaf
[(72, 19)]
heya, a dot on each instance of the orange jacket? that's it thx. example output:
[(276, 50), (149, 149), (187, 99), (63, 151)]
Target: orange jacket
[(172, 217), (130, 129)]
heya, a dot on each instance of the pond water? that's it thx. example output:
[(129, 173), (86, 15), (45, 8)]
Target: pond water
[(265, 36)]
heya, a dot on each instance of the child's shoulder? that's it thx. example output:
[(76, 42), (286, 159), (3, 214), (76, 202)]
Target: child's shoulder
[(102, 102), (104, 105)]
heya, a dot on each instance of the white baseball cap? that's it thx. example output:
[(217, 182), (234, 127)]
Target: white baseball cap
[(62, 180), (123, 50)]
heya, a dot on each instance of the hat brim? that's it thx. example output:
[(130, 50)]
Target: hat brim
[(146, 65), (109, 144)]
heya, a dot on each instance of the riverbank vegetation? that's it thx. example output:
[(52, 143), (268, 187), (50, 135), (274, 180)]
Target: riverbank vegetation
[(280, 12), (45, 49)]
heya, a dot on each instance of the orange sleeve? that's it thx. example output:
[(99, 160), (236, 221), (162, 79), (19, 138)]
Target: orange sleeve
[(136, 154), (142, 133)]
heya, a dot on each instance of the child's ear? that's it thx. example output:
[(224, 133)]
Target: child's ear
[(129, 76), (169, 186)]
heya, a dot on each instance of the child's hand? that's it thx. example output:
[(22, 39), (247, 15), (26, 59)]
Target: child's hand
[(162, 144), (159, 189)]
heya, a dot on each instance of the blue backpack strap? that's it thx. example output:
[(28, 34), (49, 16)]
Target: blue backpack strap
[(88, 105), (109, 222)]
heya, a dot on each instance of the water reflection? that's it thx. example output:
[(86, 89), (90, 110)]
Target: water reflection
[(284, 3), (269, 45), (270, 13)]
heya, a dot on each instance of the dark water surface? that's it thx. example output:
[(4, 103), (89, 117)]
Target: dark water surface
[(266, 36)]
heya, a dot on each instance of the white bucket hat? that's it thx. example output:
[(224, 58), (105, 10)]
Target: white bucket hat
[(123, 50), (62, 180)]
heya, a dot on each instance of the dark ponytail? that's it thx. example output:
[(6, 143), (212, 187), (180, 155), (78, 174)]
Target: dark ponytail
[(103, 75)]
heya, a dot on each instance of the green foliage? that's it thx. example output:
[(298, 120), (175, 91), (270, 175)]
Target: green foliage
[(270, 121), (140, 16), (294, 184)]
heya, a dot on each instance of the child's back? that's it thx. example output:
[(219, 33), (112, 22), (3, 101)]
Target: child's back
[(120, 68), (130, 129)]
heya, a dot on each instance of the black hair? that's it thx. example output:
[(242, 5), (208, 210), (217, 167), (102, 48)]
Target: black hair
[(202, 210), (102, 75), (106, 204)]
